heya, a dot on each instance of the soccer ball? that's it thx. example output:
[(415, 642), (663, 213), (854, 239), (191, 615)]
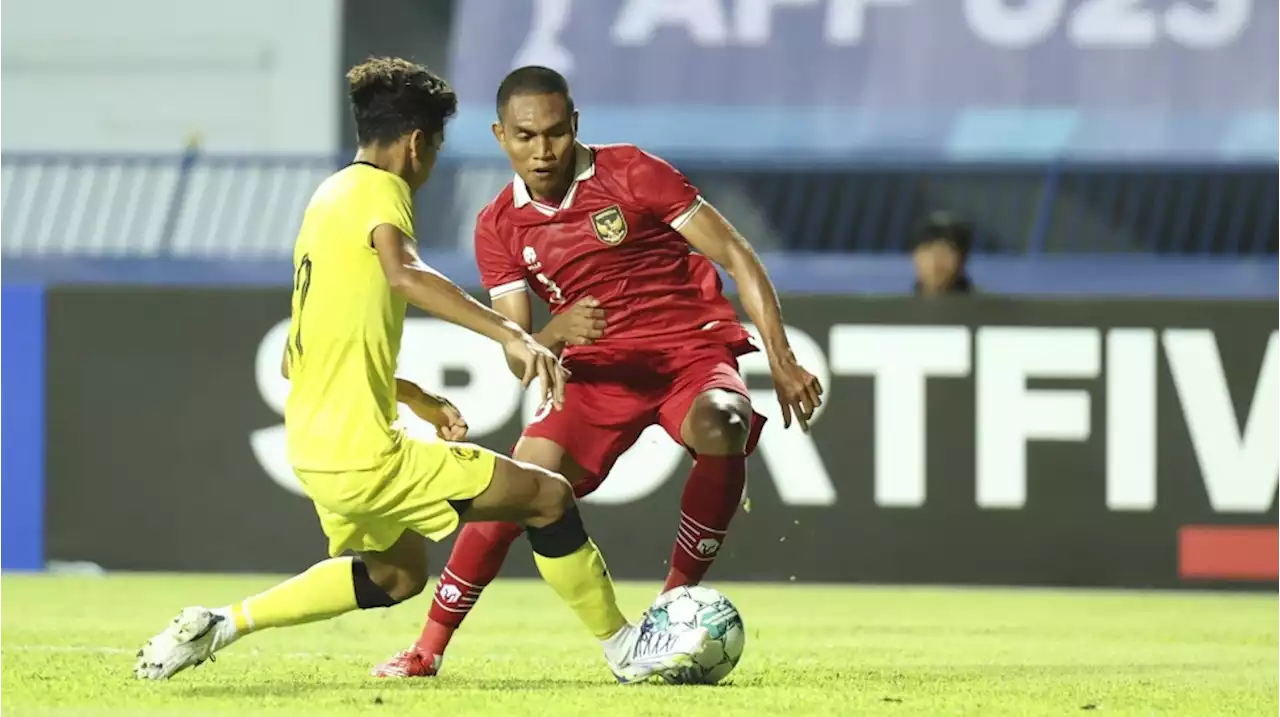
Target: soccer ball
[(689, 608)]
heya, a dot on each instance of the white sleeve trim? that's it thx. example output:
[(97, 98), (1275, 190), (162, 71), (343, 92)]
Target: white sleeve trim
[(684, 217), (507, 288)]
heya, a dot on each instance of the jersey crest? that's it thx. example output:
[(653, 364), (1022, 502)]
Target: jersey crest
[(610, 225), (465, 453)]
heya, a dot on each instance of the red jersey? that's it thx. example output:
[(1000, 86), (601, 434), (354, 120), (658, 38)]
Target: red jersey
[(615, 237)]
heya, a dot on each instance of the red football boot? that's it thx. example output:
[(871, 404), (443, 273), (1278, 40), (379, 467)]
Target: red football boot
[(409, 663)]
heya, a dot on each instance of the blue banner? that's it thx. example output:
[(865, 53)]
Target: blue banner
[(22, 437), (969, 79)]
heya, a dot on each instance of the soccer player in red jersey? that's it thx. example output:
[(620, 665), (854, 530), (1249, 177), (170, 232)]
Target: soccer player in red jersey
[(621, 247)]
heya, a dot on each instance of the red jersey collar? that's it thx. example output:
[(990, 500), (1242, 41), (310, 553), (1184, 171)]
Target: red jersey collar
[(584, 168)]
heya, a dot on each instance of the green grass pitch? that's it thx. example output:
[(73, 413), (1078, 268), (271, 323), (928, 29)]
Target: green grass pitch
[(68, 643)]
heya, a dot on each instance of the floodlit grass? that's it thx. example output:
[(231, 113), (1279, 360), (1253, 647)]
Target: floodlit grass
[(68, 644)]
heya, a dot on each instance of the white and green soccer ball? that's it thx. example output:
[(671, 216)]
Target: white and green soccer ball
[(689, 608)]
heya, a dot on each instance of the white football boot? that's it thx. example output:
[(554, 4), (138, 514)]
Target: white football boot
[(191, 638), (636, 654)]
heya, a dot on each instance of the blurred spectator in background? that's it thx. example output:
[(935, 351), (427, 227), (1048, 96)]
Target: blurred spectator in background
[(940, 250)]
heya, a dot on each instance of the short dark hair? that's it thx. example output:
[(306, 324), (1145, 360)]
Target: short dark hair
[(533, 80), (391, 97), (944, 226)]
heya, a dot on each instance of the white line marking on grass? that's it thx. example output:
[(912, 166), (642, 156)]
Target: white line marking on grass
[(99, 650)]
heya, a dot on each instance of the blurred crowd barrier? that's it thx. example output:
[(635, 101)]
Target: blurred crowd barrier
[(197, 205)]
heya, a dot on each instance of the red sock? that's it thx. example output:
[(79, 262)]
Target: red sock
[(475, 561), (711, 497)]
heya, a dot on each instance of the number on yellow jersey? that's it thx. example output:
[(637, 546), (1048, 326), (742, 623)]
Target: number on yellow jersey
[(345, 327), (301, 285)]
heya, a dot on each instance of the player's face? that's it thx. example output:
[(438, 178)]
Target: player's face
[(937, 265), (423, 151), (537, 132)]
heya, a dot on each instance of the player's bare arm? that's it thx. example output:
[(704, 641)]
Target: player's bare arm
[(582, 324), (432, 408), (799, 391), (432, 292), (516, 307)]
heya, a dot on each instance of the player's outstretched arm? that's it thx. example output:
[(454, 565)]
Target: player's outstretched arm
[(434, 293), (516, 307), (715, 238), (580, 325)]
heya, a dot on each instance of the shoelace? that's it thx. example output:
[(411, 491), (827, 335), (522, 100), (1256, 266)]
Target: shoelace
[(213, 644), (654, 642)]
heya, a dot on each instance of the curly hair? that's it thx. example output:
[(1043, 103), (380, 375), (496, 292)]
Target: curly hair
[(391, 97)]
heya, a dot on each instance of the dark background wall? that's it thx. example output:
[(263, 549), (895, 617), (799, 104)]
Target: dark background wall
[(159, 393)]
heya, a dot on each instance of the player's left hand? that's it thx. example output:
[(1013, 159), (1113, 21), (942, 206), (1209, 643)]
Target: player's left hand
[(799, 391), (441, 413), (541, 363)]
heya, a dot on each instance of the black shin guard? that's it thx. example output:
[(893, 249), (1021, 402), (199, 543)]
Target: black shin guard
[(368, 593), (561, 538)]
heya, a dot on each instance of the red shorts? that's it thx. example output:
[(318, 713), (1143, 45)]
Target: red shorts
[(612, 397)]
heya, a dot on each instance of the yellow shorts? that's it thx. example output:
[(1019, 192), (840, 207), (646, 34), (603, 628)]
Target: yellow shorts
[(369, 510)]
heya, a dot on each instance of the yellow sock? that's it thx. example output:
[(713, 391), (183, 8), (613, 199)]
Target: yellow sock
[(582, 580), (325, 590)]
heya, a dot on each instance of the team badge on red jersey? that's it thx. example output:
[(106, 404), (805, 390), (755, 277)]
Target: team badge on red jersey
[(610, 225)]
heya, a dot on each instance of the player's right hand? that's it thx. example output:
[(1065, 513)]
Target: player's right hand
[(799, 392), (581, 325), (541, 363)]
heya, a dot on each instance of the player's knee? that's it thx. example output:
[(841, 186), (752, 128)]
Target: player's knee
[(721, 427), (408, 584), (558, 529), (555, 496), (379, 584)]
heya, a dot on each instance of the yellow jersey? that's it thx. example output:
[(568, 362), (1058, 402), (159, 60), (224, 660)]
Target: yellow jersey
[(344, 334)]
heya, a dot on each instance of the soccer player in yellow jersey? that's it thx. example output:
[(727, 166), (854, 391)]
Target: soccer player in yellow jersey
[(376, 491)]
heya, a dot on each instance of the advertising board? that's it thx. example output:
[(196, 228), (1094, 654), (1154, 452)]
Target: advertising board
[(22, 443), (962, 79), (993, 441)]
